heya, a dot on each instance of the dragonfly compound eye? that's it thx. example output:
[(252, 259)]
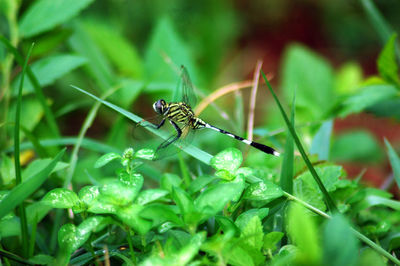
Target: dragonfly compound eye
[(158, 106)]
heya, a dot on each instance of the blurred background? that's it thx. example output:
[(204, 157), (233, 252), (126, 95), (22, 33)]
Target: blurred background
[(323, 50)]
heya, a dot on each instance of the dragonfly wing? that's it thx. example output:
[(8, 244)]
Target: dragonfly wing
[(174, 144), (184, 91)]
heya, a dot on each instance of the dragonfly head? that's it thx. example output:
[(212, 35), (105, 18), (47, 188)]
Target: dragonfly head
[(160, 106)]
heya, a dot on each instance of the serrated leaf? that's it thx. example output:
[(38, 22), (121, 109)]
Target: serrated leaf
[(49, 69), (387, 64), (265, 191), (229, 160), (106, 158), (44, 15), (252, 233), (61, 198)]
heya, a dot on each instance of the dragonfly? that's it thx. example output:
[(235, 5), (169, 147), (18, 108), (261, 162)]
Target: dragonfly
[(180, 115)]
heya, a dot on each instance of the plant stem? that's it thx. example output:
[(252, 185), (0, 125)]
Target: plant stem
[(133, 257)]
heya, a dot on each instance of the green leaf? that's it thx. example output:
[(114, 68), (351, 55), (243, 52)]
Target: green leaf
[(61, 198), (182, 200), (348, 78), (322, 141), (244, 218), (304, 233), (146, 154), (369, 256), (44, 15), (96, 203), (394, 162), (38, 165), (189, 251), (42, 259), (159, 214), (229, 160), (239, 256), (49, 69), (337, 235), (20, 192), (265, 191), (124, 190), (119, 50), (387, 64), (130, 215), (286, 178), (168, 181), (252, 233), (150, 195), (364, 147), (366, 97), (71, 237), (31, 114), (106, 158), (271, 239), (7, 170), (199, 183), (214, 198), (165, 44), (307, 72)]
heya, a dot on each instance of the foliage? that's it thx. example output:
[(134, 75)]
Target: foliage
[(102, 202)]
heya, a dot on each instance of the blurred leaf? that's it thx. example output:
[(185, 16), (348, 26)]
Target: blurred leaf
[(168, 181), (244, 218), (388, 108), (307, 72), (31, 113), (159, 214), (356, 146), (271, 240), (215, 197), (304, 233), (150, 195), (49, 69), (183, 201), (106, 158), (61, 198), (387, 65), (7, 170), (20, 192), (130, 215), (238, 256), (38, 165), (338, 234), (370, 257), (348, 78), (129, 91), (199, 183), (166, 45), (42, 259), (229, 159), (394, 162), (121, 52), (264, 191), (44, 15), (97, 65), (366, 97), (322, 141), (372, 200)]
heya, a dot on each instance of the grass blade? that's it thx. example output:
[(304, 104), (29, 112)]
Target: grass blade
[(18, 178), (394, 162), (38, 90), (327, 198), (20, 192), (286, 180), (190, 149)]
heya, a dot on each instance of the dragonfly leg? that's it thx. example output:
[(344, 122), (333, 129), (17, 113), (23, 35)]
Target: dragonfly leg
[(176, 137)]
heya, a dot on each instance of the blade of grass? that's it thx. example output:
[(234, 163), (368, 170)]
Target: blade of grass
[(286, 180), (381, 26), (394, 162), (190, 149), (18, 177), (327, 198), (38, 90), (14, 257), (20, 192)]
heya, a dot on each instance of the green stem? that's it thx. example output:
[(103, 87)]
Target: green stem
[(33, 239), (129, 238)]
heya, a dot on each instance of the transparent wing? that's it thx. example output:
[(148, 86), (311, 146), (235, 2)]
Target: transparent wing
[(173, 145), (184, 91)]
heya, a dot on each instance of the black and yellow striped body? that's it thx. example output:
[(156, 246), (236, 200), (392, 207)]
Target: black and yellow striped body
[(182, 113)]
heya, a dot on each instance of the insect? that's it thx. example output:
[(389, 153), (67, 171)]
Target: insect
[(181, 116)]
